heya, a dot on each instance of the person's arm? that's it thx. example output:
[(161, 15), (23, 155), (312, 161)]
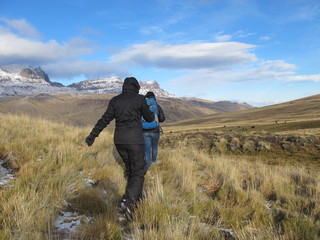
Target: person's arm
[(161, 116), (103, 122), (146, 113)]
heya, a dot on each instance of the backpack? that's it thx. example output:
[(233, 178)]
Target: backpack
[(153, 107)]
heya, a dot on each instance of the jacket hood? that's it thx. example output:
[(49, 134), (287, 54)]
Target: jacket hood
[(131, 84), (150, 95)]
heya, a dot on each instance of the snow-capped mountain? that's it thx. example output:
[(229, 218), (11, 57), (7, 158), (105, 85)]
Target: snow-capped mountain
[(99, 85), (19, 80), (26, 75), (114, 85), (153, 86)]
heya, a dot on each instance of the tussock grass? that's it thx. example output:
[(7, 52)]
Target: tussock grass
[(191, 194), (52, 163), (197, 196)]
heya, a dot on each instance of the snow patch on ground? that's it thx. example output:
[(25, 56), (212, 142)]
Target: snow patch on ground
[(67, 223), (89, 182), (5, 175)]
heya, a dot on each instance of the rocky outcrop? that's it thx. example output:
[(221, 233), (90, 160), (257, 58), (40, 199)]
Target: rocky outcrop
[(153, 86), (36, 73)]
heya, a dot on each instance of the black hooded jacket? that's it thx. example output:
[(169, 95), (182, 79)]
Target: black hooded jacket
[(127, 109)]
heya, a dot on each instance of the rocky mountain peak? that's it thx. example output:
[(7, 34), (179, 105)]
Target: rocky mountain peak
[(114, 85), (17, 74), (19, 80), (153, 86), (34, 73)]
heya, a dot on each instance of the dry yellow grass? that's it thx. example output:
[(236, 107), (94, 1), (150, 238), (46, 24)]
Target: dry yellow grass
[(299, 114), (190, 195), (52, 163)]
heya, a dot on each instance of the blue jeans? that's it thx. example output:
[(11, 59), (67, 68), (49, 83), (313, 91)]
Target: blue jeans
[(151, 147)]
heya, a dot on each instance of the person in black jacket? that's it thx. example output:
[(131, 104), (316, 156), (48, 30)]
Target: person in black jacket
[(127, 109), (152, 136)]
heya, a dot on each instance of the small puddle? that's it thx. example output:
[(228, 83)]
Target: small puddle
[(5, 175)]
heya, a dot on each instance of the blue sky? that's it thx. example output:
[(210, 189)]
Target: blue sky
[(254, 51)]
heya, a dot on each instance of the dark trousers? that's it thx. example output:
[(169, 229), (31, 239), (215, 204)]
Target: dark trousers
[(133, 157)]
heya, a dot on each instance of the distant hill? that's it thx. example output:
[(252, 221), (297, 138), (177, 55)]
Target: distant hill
[(28, 90), (220, 106), (304, 109), (86, 109)]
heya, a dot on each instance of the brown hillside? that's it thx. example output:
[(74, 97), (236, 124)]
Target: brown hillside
[(85, 110), (290, 113), (220, 106)]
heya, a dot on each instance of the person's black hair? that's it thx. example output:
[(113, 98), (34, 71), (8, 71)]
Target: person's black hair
[(150, 95)]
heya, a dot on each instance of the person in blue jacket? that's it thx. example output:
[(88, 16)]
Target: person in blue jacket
[(151, 131)]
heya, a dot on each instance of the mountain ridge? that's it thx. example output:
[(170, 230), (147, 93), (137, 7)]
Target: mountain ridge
[(85, 109), (20, 81)]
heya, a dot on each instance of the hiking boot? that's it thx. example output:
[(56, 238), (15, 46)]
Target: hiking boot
[(126, 209), (157, 161)]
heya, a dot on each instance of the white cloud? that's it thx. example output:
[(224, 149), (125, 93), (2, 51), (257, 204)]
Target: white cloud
[(15, 49), (305, 78), (242, 34), (185, 56), (265, 38), (152, 30), (276, 65), (264, 71), (90, 69), (205, 63), (158, 32), (22, 27), (60, 60), (220, 37)]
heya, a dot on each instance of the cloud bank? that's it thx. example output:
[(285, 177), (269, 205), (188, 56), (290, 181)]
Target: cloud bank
[(186, 56), (262, 71), (16, 49), (90, 69), (21, 26), (207, 62)]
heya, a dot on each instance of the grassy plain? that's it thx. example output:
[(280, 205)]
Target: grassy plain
[(219, 178), (294, 115), (192, 194)]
